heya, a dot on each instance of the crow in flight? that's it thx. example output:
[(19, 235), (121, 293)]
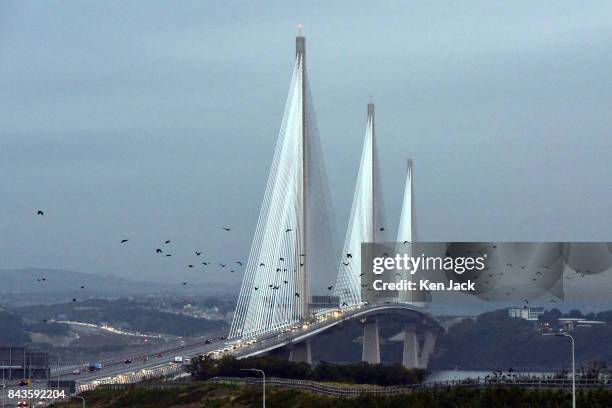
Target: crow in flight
[(226, 229), (158, 251), (222, 265), (82, 287), (288, 230), (285, 282), (262, 264), (39, 212), (239, 263), (344, 304), (382, 229), (256, 288), (205, 263), (297, 294), (167, 242), (232, 271), (198, 253), (345, 263), (349, 256), (281, 259), (123, 241), (184, 283), (330, 287), (190, 266), (74, 299), (168, 254)]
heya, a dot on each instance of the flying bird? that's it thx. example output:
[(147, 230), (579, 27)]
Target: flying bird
[(232, 271), (190, 266), (262, 264), (205, 263), (330, 287), (297, 294), (167, 242), (288, 230), (39, 212), (158, 251), (123, 241), (256, 288), (226, 229), (222, 265), (184, 283), (168, 254), (281, 259), (74, 299), (349, 256), (82, 287), (345, 263), (382, 228), (198, 253), (239, 263)]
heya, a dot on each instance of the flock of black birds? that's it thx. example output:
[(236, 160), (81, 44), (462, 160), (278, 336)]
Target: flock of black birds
[(272, 286), (158, 251)]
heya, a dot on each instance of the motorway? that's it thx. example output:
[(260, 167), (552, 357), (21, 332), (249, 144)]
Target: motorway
[(117, 371), (244, 348)]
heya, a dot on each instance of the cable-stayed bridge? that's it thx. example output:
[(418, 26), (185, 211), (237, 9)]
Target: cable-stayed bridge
[(296, 285), (295, 280)]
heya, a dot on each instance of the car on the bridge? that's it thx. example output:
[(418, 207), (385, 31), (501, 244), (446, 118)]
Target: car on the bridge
[(178, 359), (128, 361), (207, 341), (76, 371)]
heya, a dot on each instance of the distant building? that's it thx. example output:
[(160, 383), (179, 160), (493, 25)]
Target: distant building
[(569, 324), (526, 313), (21, 363)]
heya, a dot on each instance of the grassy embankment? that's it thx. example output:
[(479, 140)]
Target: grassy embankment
[(223, 396)]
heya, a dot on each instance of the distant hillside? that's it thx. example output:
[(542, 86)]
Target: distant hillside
[(26, 281)]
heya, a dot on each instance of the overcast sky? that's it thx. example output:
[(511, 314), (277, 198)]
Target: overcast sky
[(158, 120)]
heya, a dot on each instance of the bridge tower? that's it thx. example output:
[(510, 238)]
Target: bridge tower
[(292, 249), (365, 226), (366, 223)]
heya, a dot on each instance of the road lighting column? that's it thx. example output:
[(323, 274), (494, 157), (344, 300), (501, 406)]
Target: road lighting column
[(264, 381)]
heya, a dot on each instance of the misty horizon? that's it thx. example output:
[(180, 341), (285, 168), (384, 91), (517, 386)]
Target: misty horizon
[(139, 124)]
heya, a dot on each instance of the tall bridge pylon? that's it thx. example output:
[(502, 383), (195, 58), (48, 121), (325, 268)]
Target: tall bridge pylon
[(292, 250), (365, 221)]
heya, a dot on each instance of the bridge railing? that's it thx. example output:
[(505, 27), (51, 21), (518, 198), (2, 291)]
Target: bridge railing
[(136, 377)]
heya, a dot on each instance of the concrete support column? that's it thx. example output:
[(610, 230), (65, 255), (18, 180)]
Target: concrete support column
[(410, 358), (371, 342), (301, 352), (428, 347)]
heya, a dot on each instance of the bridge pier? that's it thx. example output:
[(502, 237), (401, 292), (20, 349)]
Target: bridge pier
[(301, 352), (371, 342), (428, 348), (410, 358)]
